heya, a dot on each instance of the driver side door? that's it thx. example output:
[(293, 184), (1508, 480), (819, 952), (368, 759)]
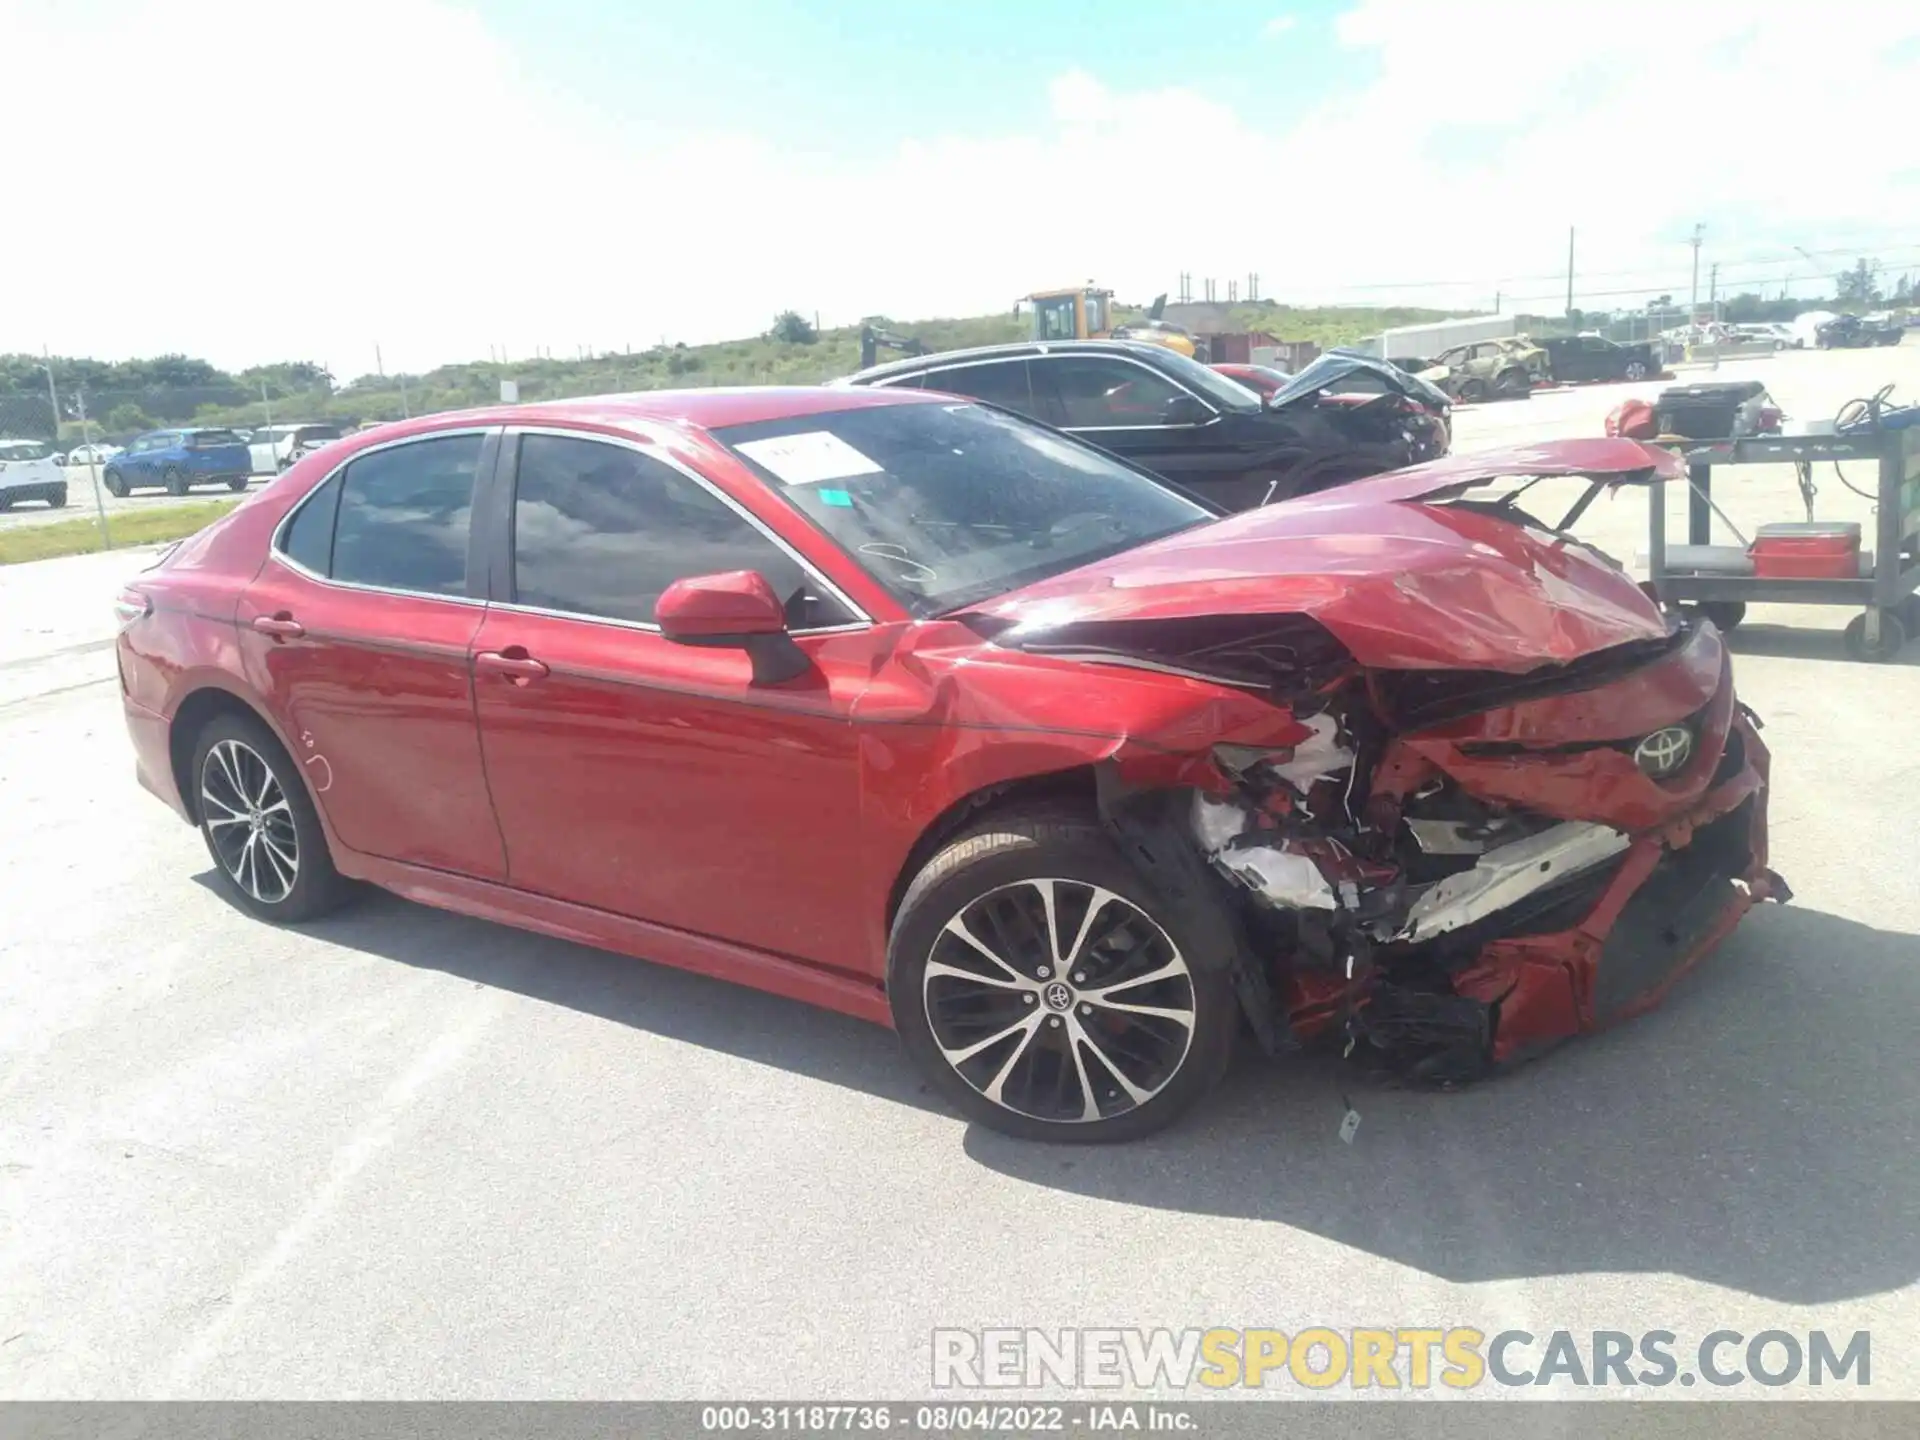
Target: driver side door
[(646, 777), (1133, 410)]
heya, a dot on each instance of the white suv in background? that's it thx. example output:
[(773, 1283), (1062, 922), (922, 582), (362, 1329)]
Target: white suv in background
[(28, 471), (274, 447)]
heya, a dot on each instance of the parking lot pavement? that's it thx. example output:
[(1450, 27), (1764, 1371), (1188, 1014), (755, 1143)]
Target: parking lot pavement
[(402, 1153), (81, 505)]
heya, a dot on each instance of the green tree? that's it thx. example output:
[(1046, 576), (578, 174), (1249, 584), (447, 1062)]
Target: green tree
[(1861, 284), (790, 327), (127, 419)]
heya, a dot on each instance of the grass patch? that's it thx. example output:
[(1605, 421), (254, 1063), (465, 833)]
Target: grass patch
[(82, 537)]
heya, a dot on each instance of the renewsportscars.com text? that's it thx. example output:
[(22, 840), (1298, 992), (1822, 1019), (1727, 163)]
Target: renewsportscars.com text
[(1416, 1358)]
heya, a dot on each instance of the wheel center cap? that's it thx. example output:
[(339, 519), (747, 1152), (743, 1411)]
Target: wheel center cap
[(1058, 996)]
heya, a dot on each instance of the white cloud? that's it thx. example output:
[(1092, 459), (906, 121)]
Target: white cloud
[(391, 175), (1279, 25)]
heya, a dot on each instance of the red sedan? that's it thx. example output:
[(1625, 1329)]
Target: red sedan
[(1263, 380), (907, 707)]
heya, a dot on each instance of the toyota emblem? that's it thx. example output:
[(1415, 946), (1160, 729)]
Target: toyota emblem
[(1664, 752), (1058, 996)]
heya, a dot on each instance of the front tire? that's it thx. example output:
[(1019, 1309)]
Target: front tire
[(57, 498), (1042, 987), (260, 825), (1636, 370)]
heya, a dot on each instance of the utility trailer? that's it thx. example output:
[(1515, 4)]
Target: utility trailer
[(1722, 579)]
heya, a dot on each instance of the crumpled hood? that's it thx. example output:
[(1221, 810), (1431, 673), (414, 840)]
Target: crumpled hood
[(1400, 577)]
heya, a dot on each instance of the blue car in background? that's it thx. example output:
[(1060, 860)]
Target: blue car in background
[(177, 460)]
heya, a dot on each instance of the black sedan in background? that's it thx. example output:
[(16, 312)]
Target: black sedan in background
[(1577, 359), (1342, 417)]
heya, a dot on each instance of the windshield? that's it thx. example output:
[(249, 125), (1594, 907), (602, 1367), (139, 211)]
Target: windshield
[(948, 505), (1223, 392), (25, 450)]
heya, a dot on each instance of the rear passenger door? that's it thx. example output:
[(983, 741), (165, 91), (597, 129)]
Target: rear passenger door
[(1006, 383), (357, 633)]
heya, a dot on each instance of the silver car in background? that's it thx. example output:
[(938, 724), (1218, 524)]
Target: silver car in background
[(274, 447)]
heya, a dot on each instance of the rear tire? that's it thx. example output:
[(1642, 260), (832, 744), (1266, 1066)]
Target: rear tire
[(1636, 370), (259, 824), (1074, 961), (1472, 391), (175, 481), (237, 483), (116, 484)]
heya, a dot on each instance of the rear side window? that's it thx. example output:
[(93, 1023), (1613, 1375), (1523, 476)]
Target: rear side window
[(602, 530), (1004, 383), (405, 514), (206, 439), (309, 539)]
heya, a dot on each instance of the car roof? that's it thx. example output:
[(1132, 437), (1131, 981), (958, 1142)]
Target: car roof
[(1010, 350)]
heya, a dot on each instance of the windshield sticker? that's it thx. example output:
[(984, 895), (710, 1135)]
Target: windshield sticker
[(809, 458), (836, 497)]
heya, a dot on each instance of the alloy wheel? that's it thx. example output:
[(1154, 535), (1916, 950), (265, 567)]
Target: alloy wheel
[(1059, 1000), (249, 822)]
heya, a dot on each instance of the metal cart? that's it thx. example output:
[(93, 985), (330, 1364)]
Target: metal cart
[(1885, 593)]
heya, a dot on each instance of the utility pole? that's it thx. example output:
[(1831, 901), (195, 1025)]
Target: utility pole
[(53, 398), (1693, 296), (1713, 290), (93, 471), (1569, 270), (1496, 302), (379, 365)]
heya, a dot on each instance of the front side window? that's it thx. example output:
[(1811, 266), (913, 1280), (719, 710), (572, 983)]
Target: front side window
[(405, 514), (1097, 392), (602, 530), (1002, 383), (948, 504)]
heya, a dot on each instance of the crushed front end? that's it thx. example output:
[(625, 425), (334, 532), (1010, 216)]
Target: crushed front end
[(1460, 869), (1513, 798)]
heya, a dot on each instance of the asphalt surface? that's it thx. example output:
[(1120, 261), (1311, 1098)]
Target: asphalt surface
[(401, 1153)]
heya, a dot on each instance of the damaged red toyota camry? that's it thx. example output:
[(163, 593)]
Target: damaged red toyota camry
[(911, 708)]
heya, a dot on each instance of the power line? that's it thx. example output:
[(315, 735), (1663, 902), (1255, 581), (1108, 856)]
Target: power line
[(1501, 281)]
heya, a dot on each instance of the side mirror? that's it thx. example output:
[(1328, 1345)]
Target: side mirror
[(1187, 410), (735, 610)]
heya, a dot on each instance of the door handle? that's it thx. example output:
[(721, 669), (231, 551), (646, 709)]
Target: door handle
[(282, 626), (513, 664)]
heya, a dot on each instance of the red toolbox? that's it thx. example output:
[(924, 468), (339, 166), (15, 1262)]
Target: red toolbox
[(1807, 550)]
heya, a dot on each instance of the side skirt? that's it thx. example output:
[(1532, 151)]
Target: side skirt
[(640, 939)]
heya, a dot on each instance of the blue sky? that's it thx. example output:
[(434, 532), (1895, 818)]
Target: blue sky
[(849, 76), (448, 178)]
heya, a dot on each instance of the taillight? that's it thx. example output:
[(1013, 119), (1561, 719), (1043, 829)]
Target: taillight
[(129, 606)]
